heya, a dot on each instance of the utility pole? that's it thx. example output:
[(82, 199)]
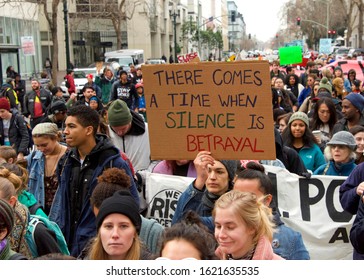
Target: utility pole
[(66, 35)]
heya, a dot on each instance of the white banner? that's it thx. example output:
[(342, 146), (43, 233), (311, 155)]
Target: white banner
[(162, 193), (310, 206)]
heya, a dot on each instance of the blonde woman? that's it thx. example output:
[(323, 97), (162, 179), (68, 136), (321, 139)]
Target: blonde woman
[(118, 224), (243, 227), (9, 184), (42, 163)]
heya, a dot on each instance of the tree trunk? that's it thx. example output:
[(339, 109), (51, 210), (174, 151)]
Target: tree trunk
[(360, 25), (54, 34)]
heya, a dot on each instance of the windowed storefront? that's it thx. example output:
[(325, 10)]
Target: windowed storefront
[(11, 53)]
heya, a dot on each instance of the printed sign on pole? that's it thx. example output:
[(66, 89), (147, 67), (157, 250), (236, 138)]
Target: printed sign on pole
[(325, 46), (27, 45)]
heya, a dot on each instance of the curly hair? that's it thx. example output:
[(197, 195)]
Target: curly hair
[(109, 182)]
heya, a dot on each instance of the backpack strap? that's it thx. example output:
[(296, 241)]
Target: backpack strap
[(34, 208), (326, 168), (17, 256)]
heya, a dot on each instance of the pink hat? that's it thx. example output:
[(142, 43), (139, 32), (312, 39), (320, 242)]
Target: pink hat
[(138, 85)]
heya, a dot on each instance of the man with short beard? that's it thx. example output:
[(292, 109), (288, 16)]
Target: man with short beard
[(36, 103)]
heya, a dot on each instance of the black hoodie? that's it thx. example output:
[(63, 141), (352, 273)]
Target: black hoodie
[(289, 156)]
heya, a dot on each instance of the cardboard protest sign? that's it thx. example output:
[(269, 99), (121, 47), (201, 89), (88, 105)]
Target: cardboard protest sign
[(290, 55), (225, 108), (189, 57)]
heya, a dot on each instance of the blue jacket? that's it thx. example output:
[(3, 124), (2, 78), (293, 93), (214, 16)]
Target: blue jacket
[(357, 233), (303, 95), (192, 199), (35, 168), (349, 199), (347, 193), (312, 157), (336, 170), (286, 242), (105, 155)]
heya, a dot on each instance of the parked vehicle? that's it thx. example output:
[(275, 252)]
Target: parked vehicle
[(155, 61), (80, 78), (341, 53), (357, 52), (126, 57)]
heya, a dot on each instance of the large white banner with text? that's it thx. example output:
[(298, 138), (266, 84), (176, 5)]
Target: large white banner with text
[(310, 206)]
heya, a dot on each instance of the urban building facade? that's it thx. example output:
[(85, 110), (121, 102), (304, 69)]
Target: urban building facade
[(93, 27)]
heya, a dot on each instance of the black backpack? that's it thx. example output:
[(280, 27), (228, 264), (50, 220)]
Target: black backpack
[(4, 91)]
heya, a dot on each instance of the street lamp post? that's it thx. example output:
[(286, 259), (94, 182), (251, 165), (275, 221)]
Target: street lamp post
[(327, 2)]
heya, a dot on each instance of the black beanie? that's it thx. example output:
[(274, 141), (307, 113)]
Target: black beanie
[(123, 203), (231, 166)]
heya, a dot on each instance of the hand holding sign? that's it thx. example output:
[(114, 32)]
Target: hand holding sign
[(201, 161)]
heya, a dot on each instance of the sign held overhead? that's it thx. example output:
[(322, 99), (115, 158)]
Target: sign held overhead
[(224, 108)]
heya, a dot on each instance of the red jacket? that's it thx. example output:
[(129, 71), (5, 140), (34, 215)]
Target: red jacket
[(71, 81)]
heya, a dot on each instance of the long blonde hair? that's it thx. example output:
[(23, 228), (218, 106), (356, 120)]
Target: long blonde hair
[(97, 251), (255, 214)]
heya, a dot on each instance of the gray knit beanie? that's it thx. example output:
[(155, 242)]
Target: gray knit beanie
[(324, 84), (343, 138), (299, 116)]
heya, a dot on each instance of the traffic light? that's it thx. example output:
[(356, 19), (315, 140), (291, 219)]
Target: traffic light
[(277, 35), (298, 21), (232, 16), (249, 36)]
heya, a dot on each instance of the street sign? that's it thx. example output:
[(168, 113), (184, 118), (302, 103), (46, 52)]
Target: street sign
[(27, 45), (325, 45)]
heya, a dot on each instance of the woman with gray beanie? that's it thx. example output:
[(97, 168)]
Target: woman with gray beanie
[(340, 152), (214, 178)]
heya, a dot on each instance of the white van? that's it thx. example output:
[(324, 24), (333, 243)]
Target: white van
[(125, 57)]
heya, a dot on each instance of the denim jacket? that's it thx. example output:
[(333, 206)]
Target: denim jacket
[(36, 162), (190, 199)]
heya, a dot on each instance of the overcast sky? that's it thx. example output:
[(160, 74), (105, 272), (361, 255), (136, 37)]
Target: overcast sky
[(261, 17)]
